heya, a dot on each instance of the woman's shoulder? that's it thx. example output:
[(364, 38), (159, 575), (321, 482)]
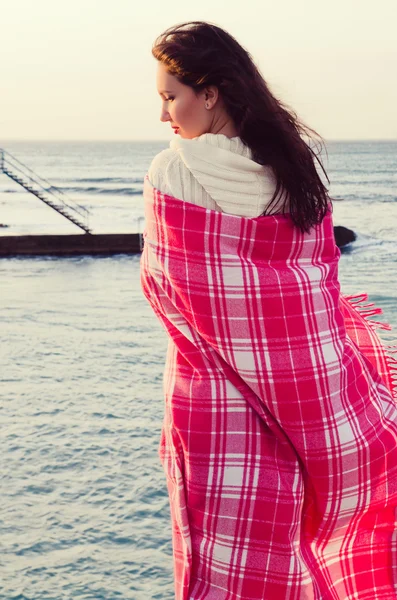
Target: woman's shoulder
[(167, 171), (162, 161)]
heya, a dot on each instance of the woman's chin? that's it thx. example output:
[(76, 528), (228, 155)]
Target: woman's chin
[(187, 136)]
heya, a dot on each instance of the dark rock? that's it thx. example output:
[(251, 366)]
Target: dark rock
[(343, 236)]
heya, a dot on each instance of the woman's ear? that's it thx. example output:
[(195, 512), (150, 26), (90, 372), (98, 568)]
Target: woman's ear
[(211, 95)]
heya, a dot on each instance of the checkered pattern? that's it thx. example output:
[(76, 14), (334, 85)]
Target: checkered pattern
[(279, 440)]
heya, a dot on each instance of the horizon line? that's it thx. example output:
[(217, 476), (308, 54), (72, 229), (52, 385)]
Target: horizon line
[(86, 140)]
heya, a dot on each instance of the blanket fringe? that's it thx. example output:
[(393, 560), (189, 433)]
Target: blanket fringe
[(369, 310)]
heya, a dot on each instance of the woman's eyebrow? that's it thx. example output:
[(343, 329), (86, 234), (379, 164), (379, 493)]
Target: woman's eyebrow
[(165, 92)]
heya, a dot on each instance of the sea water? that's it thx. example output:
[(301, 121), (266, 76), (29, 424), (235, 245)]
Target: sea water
[(84, 511)]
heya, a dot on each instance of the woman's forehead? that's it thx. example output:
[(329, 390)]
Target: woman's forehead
[(166, 82)]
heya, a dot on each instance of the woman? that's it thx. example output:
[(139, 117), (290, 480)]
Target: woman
[(279, 439)]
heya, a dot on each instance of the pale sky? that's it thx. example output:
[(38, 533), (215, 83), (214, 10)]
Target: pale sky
[(83, 70)]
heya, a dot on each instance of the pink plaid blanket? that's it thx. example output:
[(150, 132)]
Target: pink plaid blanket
[(279, 439)]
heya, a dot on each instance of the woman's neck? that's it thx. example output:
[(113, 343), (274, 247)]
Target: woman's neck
[(223, 124)]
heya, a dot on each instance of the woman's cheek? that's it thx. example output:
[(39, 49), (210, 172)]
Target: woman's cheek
[(175, 112)]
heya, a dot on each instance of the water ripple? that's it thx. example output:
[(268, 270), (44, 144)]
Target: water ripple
[(85, 511)]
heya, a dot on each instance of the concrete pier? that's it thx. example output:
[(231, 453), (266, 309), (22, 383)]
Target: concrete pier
[(70, 245)]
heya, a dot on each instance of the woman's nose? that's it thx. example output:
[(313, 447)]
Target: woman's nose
[(164, 116)]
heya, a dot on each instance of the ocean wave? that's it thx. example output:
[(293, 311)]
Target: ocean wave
[(78, 180), (359, 181), (381, 198), (365, 242), (110, 179), (127, 191)]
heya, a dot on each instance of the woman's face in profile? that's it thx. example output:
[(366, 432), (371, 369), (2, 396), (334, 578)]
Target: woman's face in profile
[(184, 110)]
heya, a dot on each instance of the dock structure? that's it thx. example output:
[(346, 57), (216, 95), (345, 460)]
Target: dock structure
[(44, 191), (59, 245)]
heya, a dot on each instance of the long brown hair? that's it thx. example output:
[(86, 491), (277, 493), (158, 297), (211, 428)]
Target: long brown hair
[(200, 54)]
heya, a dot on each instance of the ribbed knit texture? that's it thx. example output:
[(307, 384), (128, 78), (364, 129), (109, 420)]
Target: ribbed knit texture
[(215, 172)]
